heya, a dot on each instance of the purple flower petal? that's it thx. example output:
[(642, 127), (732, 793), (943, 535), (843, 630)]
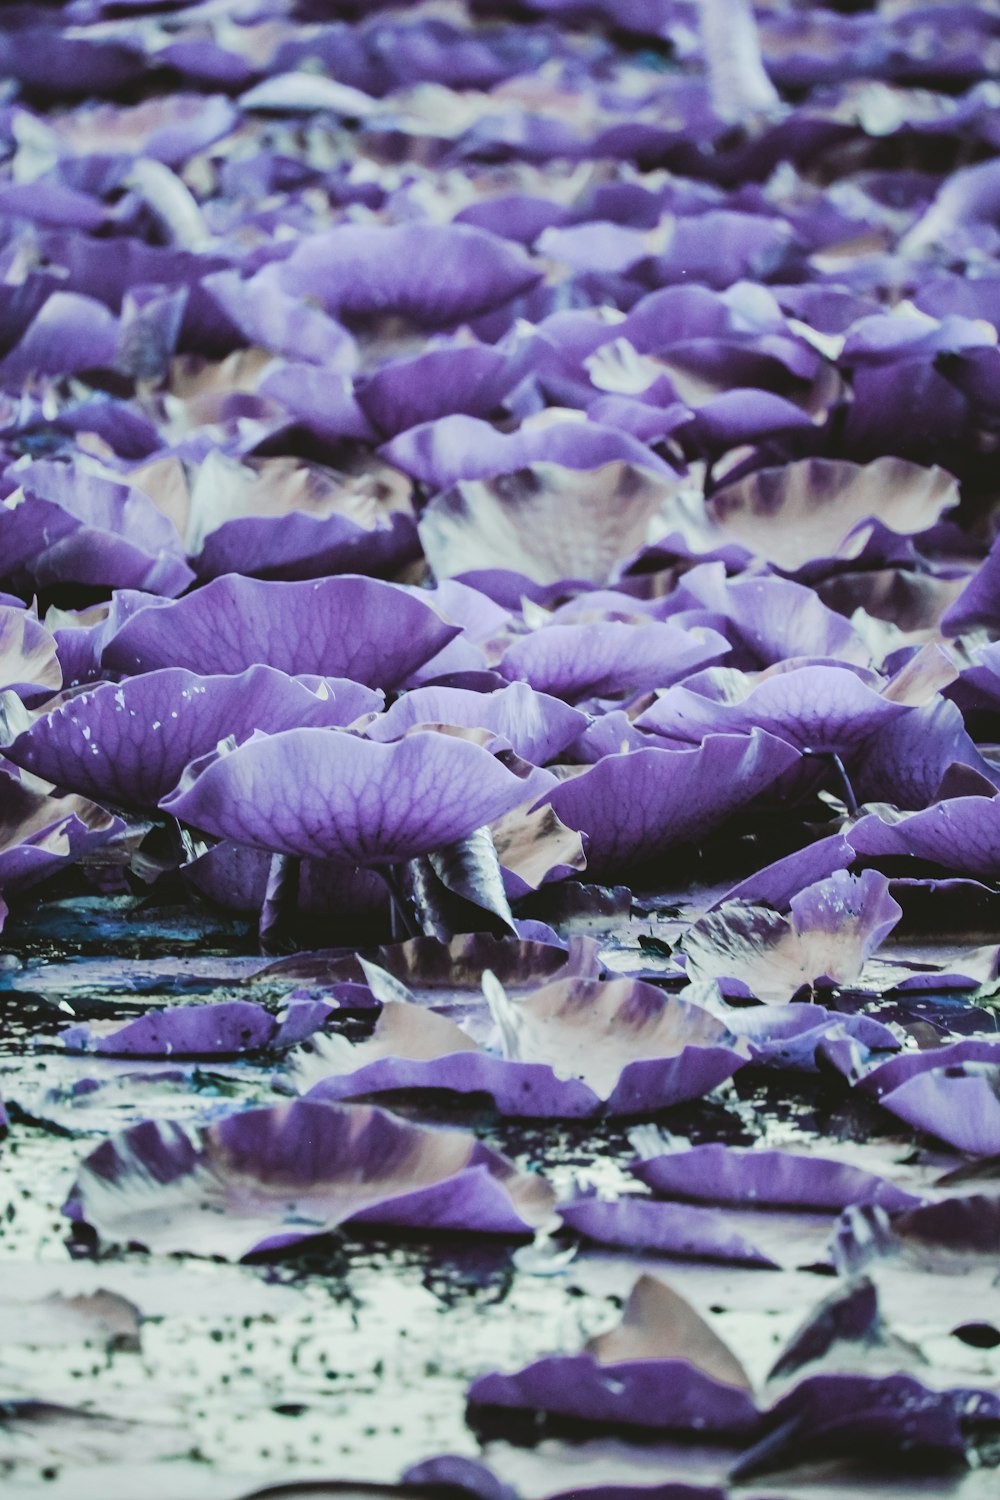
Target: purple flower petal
[(129, 742), (372, 632), (268, 1178), (326, 794)]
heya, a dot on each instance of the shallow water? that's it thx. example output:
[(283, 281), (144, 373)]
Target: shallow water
[(350, 1357)]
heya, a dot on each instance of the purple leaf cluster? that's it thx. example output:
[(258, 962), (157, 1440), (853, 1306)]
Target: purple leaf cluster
[(481, 474)]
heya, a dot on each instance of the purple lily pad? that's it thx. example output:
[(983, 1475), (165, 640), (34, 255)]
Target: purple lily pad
[(640, 1492), (29, 664), (466, 379), (843, 1416), (832, 929), (816, 707), (455, 448), (534, 849), (634, 807), (822, 508), (665, 1228), (70, 333), (909, 760), (456, 1477), (67, 524), (413, 1048), (960, 833), (663, 1368), (269, 318), (895, 1071), (285, 520), (742, 416), (443, 971), (40, 833), (769, 619), (547, 522), (788, 1035), (959, 1104), (966, 1226), (129, 742), (609, 658), (777, 883), (325, 406), (637, 1048), (372, 632), (667, 1052), (436, 275), (766, 1179), (226, 1028), (328, 794), (663, 1395), (268, 1178), (535, 725), (346, 899)]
